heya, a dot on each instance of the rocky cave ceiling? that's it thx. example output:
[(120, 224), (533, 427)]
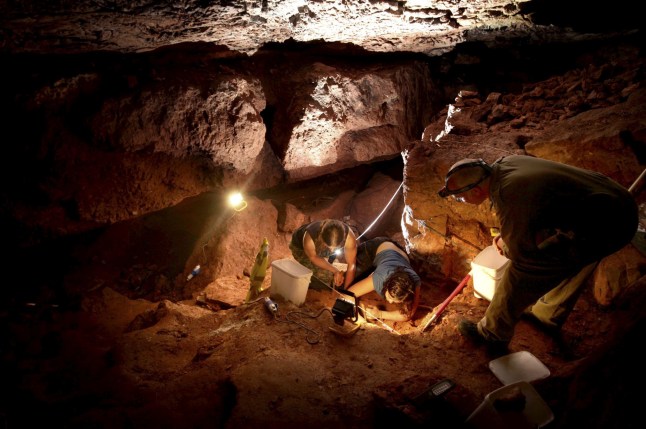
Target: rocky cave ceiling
[(428, 27)]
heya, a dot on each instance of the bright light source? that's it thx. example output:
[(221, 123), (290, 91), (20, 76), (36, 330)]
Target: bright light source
[(338, 251), (235, 199), (237, 202)]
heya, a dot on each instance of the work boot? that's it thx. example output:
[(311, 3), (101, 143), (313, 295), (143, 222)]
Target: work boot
[(469, 330)]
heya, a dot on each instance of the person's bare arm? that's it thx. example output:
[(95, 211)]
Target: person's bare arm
[(350, 253), (394, 315), (362, 287), (413, 310), (372, 312)]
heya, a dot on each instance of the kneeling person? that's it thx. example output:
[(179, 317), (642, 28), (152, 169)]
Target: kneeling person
[(384, 267)]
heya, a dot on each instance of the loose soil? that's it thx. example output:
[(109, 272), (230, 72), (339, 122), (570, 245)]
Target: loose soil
[(101, 359)]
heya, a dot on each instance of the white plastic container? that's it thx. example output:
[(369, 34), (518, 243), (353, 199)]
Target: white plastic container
[(518, 366), (290, 280), (487, 269)]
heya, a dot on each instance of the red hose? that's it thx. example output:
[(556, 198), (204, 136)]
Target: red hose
[(436, 313), (457, 290)]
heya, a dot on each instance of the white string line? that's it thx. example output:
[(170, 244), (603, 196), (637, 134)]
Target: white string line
[(382, 212)]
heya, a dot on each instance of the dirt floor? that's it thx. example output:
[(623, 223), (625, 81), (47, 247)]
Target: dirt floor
[(122, 363), (104, 360)]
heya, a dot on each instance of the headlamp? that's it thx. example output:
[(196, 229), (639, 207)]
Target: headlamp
[(334, 253), (448, 190)]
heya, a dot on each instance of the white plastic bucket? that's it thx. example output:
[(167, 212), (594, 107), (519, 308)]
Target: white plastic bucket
[(290, 280), (487, 269)]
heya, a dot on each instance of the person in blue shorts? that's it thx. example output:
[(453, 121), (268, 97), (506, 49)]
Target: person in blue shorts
[(383, 266)]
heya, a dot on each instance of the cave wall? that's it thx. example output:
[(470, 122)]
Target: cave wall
[(106, 138), (591, 116)]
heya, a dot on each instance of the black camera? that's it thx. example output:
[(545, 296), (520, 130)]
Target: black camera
[(344, 309)]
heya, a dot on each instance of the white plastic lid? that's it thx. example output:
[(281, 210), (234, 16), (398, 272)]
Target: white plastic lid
[(291, 267), (519, 366)]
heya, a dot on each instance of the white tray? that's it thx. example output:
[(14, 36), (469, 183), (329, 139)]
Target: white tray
[(519, 366)]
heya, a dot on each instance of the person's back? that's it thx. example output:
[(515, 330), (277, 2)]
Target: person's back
[(534, 198)]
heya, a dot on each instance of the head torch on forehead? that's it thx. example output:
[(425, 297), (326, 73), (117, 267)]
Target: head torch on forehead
[(453, 189)]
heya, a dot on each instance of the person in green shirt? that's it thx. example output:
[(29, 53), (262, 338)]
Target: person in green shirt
[(556, 222)]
